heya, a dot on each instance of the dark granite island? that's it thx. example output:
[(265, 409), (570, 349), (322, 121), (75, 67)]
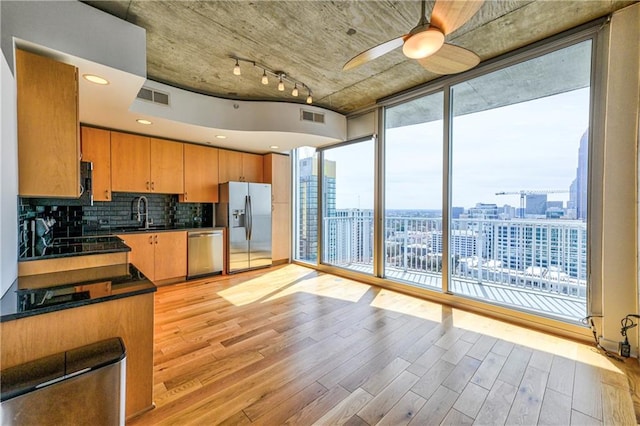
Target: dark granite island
[(84, 293)]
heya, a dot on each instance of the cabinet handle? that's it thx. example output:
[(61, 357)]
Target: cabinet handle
[(106, 194), (153, 186), (155, 238), (150, 239), (147, 185), (185, 196)]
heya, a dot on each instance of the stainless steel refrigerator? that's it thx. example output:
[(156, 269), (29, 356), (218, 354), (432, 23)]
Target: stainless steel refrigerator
[(245, 209)]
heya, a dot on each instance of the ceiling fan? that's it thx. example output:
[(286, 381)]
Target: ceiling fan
[(425, 42)]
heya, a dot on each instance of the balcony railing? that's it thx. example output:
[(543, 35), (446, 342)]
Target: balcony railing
[(535, 264)]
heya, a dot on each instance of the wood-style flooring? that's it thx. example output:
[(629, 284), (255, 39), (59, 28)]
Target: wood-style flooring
[(290, 345)]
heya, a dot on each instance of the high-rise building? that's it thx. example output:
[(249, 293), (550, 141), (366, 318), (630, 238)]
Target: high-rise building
[(582, 177), (536, 204)]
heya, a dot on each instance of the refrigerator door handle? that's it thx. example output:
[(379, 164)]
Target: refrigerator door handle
[(247, 217), (250, 216)]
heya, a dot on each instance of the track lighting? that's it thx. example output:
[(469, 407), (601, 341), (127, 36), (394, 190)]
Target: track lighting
[(280, 75)]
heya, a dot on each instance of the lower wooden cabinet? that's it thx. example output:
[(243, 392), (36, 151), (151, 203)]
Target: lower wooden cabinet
[(159, 256)]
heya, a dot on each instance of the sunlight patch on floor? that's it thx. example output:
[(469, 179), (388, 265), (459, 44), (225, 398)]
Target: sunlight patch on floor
[(326, 286), (264, 285), (408, 305)]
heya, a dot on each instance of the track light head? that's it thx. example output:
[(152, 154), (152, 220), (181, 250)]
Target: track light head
[(265, 79), (236, 69), (294, 92)]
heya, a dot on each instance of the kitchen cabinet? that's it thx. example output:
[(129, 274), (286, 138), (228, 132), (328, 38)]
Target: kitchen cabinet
[(143, 164), (48, 128), (200, 174), (158, 255), (130, 160), (239, 166), (96, 147), (167, 166), (277, 172)]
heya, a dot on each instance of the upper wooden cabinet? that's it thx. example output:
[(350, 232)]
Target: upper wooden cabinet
[(200, 174), (130, 163), (48, 129), (277, 172), (167, 166), (96, 147), (142, 164), (239, 166)]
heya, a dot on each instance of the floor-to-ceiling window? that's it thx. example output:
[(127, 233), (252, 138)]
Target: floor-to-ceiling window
[(502, 157), (348, 204), (519, 144), (413, 191)]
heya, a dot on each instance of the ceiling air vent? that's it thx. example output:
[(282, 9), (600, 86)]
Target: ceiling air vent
[(314, 117), (153, 96)]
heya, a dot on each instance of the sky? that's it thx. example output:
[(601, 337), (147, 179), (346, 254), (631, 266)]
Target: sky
[(525, 146)]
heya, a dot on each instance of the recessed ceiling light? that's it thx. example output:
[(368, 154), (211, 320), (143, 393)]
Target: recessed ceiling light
[(274, 147), (143, 121), (221, 136), (95, 79)]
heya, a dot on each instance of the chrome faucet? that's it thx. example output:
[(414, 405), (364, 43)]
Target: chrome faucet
[(143, 211)]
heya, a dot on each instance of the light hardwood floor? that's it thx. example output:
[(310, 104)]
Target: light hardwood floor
[(290, 345)]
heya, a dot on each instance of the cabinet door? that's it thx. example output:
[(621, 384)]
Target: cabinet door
[(167, 167), (280, 235), (252, 167), (229, 166), (142, 252), (200, 174), (277, 172), (170, 255), (130, 159), (96, 147), (48, 130)]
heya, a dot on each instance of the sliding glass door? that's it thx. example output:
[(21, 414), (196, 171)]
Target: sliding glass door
[(347, 205)]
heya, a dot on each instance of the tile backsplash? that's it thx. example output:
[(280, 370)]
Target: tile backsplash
[(73, 220)]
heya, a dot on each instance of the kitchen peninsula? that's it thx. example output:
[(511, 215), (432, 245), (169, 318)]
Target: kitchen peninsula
[(82, 291)]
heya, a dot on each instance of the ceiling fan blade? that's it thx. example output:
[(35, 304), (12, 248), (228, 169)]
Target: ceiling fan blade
[(374, 52), (450, 59), (449, 15)]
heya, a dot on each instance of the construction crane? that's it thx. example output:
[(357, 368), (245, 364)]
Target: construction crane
[(525, 192)]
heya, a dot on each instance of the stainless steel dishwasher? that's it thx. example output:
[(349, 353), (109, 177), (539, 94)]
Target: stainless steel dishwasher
[(205, 252)]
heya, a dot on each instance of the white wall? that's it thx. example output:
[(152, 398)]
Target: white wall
[(8, 180), (620, 177)]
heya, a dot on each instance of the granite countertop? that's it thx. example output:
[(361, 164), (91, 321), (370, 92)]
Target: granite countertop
[(77, 246), (44, 293), (109, 231)]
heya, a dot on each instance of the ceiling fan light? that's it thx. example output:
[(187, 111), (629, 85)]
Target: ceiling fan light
[(423, 43)]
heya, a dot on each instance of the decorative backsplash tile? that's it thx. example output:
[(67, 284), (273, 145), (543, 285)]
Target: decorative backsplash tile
[(73, 220)]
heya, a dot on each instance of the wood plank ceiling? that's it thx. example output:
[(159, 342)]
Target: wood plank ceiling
[(189, 43)]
